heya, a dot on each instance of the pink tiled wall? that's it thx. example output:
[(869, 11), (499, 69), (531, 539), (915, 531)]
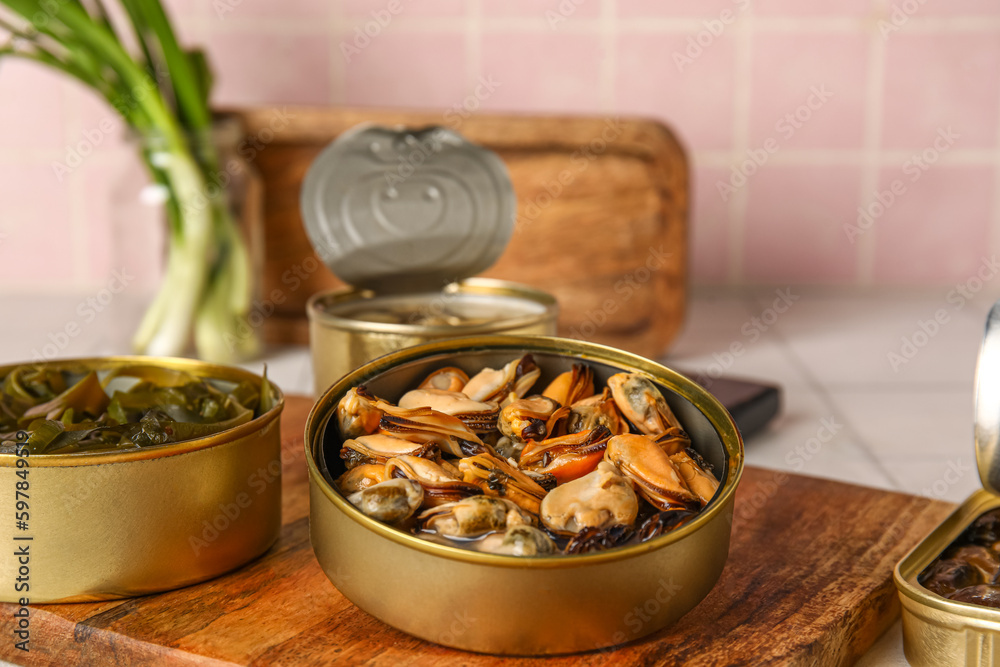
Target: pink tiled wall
[(734, 78)]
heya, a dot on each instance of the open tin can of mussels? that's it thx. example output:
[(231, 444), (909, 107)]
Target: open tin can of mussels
[(406, 218), (959, 624), (509, 604)]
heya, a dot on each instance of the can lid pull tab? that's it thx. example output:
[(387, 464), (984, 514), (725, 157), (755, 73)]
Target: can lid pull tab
[(987, 417)]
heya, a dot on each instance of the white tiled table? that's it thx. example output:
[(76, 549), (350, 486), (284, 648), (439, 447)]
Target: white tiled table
[(901, 429)]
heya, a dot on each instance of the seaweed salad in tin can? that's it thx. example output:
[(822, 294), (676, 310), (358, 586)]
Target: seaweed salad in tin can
[(71, 410)]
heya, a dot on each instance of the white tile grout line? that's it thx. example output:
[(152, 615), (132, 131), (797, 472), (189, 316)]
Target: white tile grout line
[(859, 156), (706, 158), (916, 23), (823, 395), (994, 232), (865, 252), (338, 74), (473, 44), (743, 54), (907, 387), (609, 64)]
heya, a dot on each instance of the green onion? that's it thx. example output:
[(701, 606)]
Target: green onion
[(206, 291)]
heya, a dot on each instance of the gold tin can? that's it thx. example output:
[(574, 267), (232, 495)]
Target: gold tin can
[(119, 524), (938, 631), (343, 334), (505, 604)]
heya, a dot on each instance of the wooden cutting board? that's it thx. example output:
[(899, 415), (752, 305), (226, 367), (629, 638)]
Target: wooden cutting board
[(808, 581)]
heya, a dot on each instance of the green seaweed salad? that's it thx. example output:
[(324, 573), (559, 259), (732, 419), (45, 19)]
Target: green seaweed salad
[(125, 408)]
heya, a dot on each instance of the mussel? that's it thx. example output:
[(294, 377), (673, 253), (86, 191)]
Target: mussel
[(571, 386), (525, 419), (473, 517), (516, 378), (379, 448), (440, 485), (566, 457), (391, 501), (448, 378), (483, 464), (427, 425), (357, 414), (519, 540), (597, 500), (639, 401), (593, 411), (652, 471), (479, 416), (498, 478), (695, 473), (360, 477)]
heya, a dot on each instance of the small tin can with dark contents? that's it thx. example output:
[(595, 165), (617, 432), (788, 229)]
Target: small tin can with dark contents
[(406, 218), (940, 628)]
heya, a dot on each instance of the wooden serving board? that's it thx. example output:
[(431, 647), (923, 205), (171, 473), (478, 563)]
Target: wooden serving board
[(808, 581), (601, 218)]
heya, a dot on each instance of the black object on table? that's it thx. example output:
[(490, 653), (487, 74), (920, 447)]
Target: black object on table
[(752, 404)]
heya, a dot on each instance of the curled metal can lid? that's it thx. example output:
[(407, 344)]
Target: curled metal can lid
[(396, 210), (987, 421)]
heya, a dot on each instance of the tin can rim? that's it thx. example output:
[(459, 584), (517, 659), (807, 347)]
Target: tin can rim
[(700, 398), (483, 286), (195, 367)]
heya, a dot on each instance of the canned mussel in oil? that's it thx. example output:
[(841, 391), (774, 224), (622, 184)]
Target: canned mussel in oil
[(134, 475), (949, 584), (406, 218), (549, 550)]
